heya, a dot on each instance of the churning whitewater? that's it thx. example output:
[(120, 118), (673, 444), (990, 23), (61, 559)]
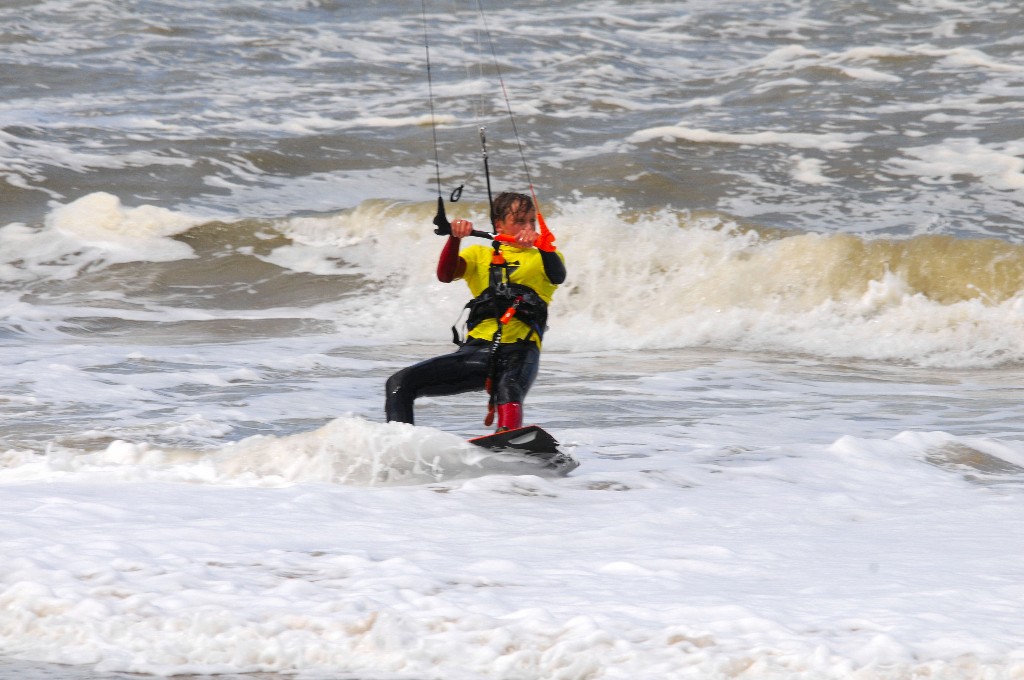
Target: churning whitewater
[(788, 353)]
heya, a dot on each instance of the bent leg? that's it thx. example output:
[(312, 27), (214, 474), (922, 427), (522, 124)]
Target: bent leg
[(464, 370)]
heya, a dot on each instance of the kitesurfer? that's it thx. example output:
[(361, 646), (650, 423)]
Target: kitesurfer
[(512, 285)]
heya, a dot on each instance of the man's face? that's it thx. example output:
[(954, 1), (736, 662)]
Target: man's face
[(514, 223)]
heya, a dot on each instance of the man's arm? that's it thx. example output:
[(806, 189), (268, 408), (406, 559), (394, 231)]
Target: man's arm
[(450, 265), (554, 268)]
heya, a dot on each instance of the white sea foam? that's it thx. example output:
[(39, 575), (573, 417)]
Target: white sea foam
[(348, 450), (809, 170), (871, 74), (798, 140), (142, 233), (699, 282), (494, 576), (93, 229), (1001, 168)]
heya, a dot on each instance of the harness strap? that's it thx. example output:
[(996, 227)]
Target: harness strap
[(499, 284)]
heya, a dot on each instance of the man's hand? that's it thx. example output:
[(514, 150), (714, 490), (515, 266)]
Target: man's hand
[(526, 238)]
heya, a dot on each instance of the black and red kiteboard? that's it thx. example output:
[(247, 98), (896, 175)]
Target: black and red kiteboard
[(531, 441)]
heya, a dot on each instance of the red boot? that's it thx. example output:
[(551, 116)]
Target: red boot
[(510, 416)]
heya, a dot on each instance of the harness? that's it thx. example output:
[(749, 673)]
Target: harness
[(502, 300), (506, 300)]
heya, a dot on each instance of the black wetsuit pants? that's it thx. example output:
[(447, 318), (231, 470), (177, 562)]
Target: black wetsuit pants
[(465, 370)]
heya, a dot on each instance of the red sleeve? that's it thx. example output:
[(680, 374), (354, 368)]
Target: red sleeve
[(450, 266)]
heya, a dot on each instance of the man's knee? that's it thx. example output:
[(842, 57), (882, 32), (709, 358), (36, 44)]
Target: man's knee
[(398, 401), (396, 382)]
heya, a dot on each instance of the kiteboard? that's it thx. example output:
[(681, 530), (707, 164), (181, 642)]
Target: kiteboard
[(531, 441)]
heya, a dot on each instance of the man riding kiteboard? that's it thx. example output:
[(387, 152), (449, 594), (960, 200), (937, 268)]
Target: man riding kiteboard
[(512, 284)]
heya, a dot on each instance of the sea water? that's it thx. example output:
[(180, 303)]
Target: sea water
[(788, 354)]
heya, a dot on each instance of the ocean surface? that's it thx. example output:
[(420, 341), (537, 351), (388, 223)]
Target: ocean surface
[(789, 353)]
